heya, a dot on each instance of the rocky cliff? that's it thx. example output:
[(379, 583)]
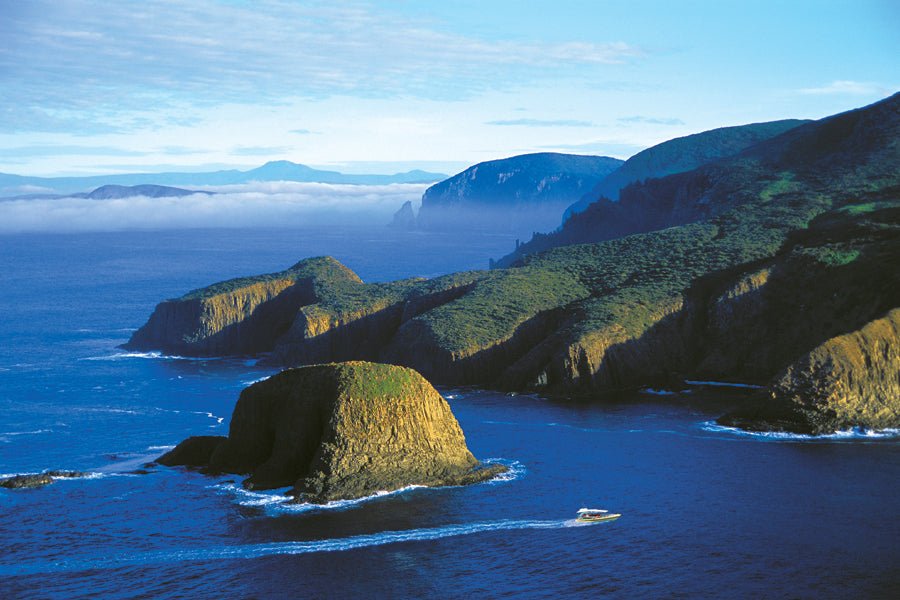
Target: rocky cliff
[(850, 380), (340, 431), (520, 194), (240, 316)]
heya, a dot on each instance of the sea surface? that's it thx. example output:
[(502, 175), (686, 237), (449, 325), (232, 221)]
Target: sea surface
[(706, 511)]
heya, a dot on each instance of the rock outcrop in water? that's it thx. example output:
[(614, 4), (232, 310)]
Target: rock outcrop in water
[(339, 431), (36, 480)]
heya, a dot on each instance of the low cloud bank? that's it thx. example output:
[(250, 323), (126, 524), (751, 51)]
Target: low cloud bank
[(265, 204)]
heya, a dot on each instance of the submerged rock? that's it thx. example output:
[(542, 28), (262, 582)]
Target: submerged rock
[(340, 431)]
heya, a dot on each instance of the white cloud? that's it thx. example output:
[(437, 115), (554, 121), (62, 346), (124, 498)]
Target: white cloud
[(270, 204), (110, 61), (651, 120), (541, 123), (849, 88)]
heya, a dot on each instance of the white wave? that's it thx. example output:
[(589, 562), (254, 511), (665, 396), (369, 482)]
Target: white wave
[(34, 432), (855, 433), (151, 355), (252, 381), (85, 475), (278, 501), (155, 448), (217, 418), (278, 548), (514, 470), (748, 386)]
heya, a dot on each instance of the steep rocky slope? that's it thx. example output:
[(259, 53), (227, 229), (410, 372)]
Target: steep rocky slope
[(848, 380), (340, 431), (855, 150), (680, 155)]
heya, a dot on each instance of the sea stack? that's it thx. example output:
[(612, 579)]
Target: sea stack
[(339, 431)]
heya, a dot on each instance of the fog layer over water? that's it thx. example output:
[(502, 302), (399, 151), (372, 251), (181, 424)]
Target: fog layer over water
[(258, 204)]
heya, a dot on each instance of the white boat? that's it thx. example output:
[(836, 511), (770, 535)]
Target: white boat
[(596, 515)]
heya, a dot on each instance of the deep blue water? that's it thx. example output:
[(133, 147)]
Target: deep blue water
[(706, 512)]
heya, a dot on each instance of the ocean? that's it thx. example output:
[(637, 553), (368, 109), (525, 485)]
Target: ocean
[(706, 511)]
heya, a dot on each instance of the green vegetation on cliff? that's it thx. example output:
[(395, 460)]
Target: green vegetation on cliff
[(732, 271), (324, 270)]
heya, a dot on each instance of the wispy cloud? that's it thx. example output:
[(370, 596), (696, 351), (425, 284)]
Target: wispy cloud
[(259, 150), (181, 150), (848, 88), (107, 65), (67, 150), (651, 120), (272, 204), (541, 123), (598, 147), (304, 132)]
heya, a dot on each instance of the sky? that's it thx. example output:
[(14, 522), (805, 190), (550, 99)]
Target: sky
[(381, 87)]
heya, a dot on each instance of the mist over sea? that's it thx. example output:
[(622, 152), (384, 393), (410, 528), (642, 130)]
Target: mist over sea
[(707, 511), (256, 204)]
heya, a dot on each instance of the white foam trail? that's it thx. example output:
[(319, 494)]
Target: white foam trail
[(855, 433), (154, 448), (748, 386), (151, 355), (277, 548), (252, 381)]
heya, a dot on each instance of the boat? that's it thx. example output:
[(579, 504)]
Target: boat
[(595, 515)]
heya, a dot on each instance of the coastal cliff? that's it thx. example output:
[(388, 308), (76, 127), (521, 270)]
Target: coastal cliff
[(340, 431), (784, 248), (239, 316), (848, 380), (520, 194)]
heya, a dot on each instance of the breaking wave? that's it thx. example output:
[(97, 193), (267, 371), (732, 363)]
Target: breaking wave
[(855, 433)]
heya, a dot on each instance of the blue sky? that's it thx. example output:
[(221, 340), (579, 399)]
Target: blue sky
[(102, 87)]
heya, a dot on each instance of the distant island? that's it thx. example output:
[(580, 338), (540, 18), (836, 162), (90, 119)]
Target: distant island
[(116, 192), (281, 170), (769, 267)]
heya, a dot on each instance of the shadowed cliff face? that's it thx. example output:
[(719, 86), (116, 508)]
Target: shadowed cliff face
[(519, 194), (848, 380), (340, 431)]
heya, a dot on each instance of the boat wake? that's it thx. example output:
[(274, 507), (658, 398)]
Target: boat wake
[(275, 548)]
